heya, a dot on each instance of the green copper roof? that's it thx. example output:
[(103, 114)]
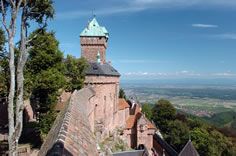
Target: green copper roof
[(95, 29)]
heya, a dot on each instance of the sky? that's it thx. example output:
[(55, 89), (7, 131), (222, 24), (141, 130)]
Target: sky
[(156, 39)]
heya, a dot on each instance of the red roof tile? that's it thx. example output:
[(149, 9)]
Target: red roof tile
[(130, 122), (123, 104)]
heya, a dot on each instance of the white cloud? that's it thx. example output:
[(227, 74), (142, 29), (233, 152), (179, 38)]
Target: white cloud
[(186, 2), (144, 74), (181, 74), (184, 71), (99, 12), (226, 36), (131, 6), (225, 74), (138, 61), (204, 25)]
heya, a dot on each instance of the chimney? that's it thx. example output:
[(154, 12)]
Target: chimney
[(88, 24), (109, 62)]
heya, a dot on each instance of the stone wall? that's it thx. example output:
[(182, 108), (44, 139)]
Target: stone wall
[(103, 109), (71, 133), (91, 46)]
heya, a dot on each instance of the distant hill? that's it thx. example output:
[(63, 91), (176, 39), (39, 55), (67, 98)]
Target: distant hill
[(223, 119), (219, 119)]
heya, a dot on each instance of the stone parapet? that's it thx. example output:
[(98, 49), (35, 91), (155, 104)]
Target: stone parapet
[(101, 79), (93, 41)]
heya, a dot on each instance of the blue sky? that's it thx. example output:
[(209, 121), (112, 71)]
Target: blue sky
[(156, 39)]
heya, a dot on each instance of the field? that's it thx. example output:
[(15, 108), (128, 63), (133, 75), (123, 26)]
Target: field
[(213, 104), (200, 100)]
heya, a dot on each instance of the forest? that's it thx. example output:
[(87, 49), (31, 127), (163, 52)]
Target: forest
[(178, 128)]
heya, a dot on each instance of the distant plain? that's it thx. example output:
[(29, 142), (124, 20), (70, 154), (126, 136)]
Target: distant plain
[(197, 98)]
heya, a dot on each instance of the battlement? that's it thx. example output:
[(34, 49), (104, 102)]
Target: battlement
[(102, 41)]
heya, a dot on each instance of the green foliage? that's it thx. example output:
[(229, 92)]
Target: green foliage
[(199, 138), (75, 73), (4, 67), (233, 125), (2, 44), (48, 83), (44, 76), (4, 77), (45, 53), (162, 113), (42, 10), (216, 144), (122, 94), (147, 111), (177, 135), (47, 122), (195, 123)]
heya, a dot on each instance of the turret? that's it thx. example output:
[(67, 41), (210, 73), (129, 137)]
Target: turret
[(93, 39)]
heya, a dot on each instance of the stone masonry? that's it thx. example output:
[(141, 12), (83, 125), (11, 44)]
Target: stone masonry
[(90, 47)]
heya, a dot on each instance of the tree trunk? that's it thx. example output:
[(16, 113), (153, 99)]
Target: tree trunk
[(12, 150), (22, 57)]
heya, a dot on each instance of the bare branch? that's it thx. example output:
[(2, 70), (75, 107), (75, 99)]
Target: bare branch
[(5, 25), (18, 5), (3, 12), (15, 11), (13, 3), (29, 40)]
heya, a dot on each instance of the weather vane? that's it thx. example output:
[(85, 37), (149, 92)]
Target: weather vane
[(93, 14)]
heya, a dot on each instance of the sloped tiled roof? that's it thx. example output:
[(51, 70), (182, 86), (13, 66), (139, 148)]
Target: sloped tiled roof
[(101, 69), (165, 145), (71, 133), (94, 29), (189, 150), (123, 104), (130, 122)]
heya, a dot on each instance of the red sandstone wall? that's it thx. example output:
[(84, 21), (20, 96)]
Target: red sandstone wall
[(91, 46), (105, 100)]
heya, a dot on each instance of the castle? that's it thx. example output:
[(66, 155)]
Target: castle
[(106, 111)]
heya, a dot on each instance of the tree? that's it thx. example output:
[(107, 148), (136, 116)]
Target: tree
[(216, 143), (178, 134), (195, 123), (199, 137), (4, 78), (44, 74), (147, 111), (4, 68), (162, 113), (122, 94), (29, 10), (2, 44), (75, 72)]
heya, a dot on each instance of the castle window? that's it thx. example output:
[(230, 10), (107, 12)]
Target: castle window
[(105, 105), (141, 128)]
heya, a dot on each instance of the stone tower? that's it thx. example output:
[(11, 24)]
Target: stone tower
[(102, 77), (93, 40)]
